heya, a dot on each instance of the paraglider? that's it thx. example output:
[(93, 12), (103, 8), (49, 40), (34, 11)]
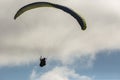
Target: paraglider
[(42, 61), (79, 19)]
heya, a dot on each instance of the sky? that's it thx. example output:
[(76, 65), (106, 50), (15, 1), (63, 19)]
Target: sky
[(72, 54)]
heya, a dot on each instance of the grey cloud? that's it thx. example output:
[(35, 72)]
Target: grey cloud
[(60, 37)]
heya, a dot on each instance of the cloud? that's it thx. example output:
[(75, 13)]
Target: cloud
[(59, 73), (55, 34)]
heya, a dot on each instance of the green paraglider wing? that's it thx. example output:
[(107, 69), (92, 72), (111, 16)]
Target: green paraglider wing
[(80, 20)]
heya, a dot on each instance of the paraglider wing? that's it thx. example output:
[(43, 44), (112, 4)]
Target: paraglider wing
[(79, 19)]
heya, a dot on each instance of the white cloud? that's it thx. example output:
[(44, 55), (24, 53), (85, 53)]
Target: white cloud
[(59, 73), (55, 34)]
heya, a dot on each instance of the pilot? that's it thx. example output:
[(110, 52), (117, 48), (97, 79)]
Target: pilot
[(42, 61)]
